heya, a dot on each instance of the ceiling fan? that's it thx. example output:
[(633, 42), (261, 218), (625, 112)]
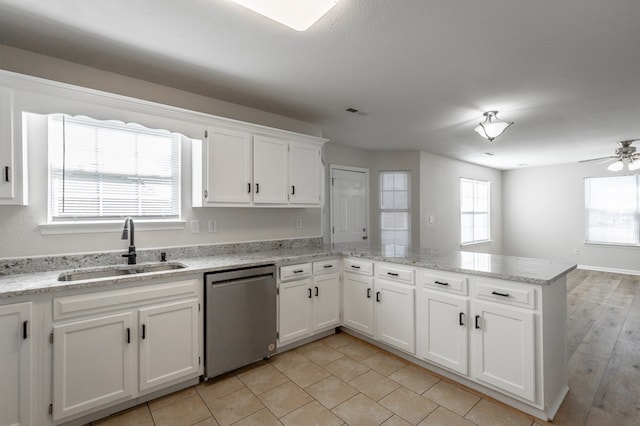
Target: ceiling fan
[(626, 154)]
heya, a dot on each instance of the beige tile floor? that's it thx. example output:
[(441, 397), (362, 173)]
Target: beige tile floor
[(341, 380)]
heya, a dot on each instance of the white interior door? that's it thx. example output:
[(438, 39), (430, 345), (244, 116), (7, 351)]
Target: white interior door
[(349, 204)]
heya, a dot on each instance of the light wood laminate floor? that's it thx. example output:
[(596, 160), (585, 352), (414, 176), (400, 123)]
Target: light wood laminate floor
[(341, 380)]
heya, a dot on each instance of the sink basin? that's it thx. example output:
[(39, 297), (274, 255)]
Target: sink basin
[(119, 270)]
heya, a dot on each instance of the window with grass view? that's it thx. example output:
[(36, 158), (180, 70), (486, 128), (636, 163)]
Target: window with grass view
[(394, 212), (474, 211), (106, 170), (612, 210)]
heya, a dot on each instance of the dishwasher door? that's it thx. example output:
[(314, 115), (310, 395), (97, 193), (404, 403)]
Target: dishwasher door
[(240, 318)]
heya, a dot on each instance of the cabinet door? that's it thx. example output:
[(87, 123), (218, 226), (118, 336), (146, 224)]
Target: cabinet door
[(442, 329), (270, 165), (92, 363), (294, 313), (13, 152), (15, 364), (395, 319), (168, 336), (304, 174), (326, 301), (504, 348), (227, 167), (358, 303)]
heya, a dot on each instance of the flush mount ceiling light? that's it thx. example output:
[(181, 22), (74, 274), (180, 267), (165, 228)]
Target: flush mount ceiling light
[(296, 14), (492, 126)]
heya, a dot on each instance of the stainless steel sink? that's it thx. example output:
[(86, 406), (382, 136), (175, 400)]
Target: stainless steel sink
[(119, 270)]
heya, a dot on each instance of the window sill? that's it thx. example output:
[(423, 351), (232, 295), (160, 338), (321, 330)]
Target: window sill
[(611, 245), (99, 227), (476, 243)]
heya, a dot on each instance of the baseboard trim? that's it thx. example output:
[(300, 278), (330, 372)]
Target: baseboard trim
[(612, 270)]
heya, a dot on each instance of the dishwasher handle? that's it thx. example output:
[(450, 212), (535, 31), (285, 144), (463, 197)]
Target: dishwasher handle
[(232, 281)]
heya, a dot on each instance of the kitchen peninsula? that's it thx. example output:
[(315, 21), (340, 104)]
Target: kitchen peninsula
[(494, 323)]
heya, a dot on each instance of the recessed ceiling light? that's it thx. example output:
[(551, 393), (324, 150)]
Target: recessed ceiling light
[(296, 14), (523, 164)]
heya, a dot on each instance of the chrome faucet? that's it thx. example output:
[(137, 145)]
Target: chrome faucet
[(128, 232)]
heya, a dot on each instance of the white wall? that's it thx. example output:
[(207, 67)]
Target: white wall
[(19, 231), (440, 198), (544, 216)]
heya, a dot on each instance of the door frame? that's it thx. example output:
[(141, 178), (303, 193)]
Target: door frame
[(333, 167)]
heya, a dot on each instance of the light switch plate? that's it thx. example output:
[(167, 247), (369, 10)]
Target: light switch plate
[(213, 226), (195, 226)]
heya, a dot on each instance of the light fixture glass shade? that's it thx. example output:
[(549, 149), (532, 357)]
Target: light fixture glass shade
[(633, 165), (616, 166), (492, 126), (296, 14)]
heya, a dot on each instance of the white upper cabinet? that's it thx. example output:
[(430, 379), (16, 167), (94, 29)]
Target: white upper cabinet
[(305, 168), (227, 162), (236, 167), (270, 166), (13, 153)]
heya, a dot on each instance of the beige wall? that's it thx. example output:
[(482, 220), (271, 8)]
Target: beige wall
[(19, 231), (440, 198), (544, 211)]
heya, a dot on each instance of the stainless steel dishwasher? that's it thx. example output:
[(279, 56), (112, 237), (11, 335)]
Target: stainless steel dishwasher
[(240, 318)]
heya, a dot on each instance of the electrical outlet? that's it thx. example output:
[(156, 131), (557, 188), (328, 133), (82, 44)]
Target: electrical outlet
[(576, 252), (213, 227), (298, 223), (195, 226)]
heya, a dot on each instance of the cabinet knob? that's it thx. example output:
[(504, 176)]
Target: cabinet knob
[(7, 174), (206, 193)]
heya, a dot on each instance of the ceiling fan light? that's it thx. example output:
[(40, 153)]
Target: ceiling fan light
[(633, 165), (616, 166), (492, 126)]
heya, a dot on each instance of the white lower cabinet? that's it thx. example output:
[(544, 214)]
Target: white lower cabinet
[(394, 314), (358, 302), (307, 303), (442, 329), (168, 342), (294, 320), (503, 347), (16, 370), (93, 363), (112, 346)]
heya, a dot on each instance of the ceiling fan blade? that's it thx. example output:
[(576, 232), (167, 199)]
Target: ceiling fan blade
[(603, 159)]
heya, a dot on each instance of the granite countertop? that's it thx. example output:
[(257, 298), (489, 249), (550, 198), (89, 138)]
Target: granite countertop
[(527, 270)]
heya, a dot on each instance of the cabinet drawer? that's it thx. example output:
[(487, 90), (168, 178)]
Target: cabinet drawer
[(358, 266), (451, 283), (90, 303), (295, 271), (326, 266), (395, 273), (505, 292)]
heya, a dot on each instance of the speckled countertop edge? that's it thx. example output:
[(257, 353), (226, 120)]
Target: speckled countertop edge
[(527, 270)]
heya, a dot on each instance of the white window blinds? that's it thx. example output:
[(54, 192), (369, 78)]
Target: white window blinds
[(394, 212), (104, 170), (474, 211), (612, 210)]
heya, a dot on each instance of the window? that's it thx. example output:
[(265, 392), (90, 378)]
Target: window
[(612, 210), (474, 211), (106, 170), (394, 213)]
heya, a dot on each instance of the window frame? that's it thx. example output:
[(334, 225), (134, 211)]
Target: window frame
[(635, 213), (475, 212), (81, 223), (397, 251)]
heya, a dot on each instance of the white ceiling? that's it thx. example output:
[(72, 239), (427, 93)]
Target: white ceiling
[(421, 71)]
